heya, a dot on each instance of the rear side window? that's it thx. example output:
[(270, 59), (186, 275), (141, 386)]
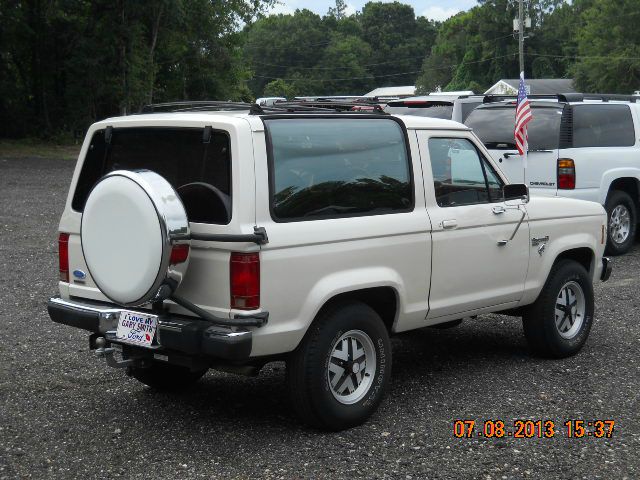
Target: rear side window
[(495, 127), (602, 126), (196, 163), (337, 167)]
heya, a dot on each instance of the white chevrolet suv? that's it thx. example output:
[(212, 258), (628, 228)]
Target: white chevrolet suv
[(228, 236), (584, 146)]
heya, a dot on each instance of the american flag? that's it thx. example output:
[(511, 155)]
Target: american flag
[(523, 117)]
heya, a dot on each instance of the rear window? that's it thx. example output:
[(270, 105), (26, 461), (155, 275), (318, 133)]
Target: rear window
[(602, 126), (422, 109), (495, 127), (198, 170), (337, 167)]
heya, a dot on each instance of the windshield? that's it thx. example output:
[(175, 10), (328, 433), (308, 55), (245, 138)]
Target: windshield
[(495, 127), (424, 109)]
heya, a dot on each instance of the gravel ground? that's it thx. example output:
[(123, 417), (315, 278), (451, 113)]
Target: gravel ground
[(64, 414)]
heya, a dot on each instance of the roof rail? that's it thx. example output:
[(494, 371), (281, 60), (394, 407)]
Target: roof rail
[(501, 98), (317, 107), (198, 105), (567, 97), (605, 97)]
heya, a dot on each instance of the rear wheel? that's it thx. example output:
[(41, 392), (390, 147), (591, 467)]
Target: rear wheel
[(558, 323), (164, 376), (338, 374), (622, 218)]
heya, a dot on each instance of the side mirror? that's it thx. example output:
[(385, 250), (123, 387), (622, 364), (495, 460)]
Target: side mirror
[(516, 191)]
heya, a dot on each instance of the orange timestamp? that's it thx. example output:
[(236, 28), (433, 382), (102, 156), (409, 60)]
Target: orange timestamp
[(533, 429)]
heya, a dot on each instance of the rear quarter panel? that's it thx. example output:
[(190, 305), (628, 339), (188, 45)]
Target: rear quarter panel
[(307, 263), (569, 224)]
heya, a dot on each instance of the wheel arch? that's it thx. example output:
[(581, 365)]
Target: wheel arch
[(585, 256), (384, 300), (627, 183)]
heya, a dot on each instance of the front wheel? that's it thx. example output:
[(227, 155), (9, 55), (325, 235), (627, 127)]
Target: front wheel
[(622, 217), (338, 374), (558, 323)]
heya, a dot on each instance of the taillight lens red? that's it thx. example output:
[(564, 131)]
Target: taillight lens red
[(179, 254), (63, 256), (566, 174), (245, 281)]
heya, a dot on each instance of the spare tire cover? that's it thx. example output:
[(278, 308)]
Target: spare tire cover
[(130, 223)]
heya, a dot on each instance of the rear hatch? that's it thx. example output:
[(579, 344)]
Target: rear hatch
[(195, 161), (495, 124)]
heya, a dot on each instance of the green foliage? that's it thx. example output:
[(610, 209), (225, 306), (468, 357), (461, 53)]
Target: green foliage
[(66, 63), (339, 54), (279, 88), (609, 46)]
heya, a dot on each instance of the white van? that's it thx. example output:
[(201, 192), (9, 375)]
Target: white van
[(580, 146)]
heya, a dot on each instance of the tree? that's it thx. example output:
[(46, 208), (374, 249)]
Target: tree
[(339, 11), (609, 47), (279, 88)]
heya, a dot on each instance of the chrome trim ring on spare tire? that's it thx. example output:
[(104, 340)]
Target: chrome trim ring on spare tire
[(351, 367), (130, 224)]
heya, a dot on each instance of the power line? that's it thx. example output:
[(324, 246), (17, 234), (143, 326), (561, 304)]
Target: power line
[(265, 64), (606, 57), (384, 76)]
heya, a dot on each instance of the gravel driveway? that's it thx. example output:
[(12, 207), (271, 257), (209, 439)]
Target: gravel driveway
[(64, 414)]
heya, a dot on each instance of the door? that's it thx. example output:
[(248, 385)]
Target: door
[(472, 265)]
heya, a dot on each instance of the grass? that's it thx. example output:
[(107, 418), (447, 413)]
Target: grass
[(31, 147)]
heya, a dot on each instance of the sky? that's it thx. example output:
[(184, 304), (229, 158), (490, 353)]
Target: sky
[(432, 9)]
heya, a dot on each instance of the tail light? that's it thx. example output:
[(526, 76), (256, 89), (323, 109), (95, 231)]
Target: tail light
[(245, 281), (179, 254), (63, 256), (566, 174)]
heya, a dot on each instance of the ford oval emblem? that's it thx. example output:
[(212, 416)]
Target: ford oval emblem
[(79, 274)]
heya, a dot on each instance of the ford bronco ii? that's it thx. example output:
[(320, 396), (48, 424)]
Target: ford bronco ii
[(212, 235)]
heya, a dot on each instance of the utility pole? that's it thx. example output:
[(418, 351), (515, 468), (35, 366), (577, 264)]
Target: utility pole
[(521, 34)]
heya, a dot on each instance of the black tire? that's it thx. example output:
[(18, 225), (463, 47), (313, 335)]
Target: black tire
[(307, 368), (539, 320), (620, 198), (167, 377)]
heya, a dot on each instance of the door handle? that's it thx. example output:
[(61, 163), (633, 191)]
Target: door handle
[(449, 224), (498, 209)]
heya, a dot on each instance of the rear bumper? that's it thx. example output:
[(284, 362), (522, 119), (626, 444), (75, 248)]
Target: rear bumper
[(606, 269), (181, 334)]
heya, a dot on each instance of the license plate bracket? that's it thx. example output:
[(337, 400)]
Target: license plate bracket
[(136, 328)]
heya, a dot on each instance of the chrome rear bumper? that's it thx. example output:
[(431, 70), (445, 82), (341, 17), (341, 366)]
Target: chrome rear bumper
[(186, 335)]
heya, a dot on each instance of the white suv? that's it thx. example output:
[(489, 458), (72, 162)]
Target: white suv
[(581, 146), (227, 238)]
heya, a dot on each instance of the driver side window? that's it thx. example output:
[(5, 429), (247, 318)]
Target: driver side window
[(460, 175)]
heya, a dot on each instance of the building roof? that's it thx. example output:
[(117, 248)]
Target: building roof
[(538, 86)]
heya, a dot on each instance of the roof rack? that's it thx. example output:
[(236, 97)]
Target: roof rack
[(605, 97), (501, 98), (317, 107), (190, 106), (567, 97)]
